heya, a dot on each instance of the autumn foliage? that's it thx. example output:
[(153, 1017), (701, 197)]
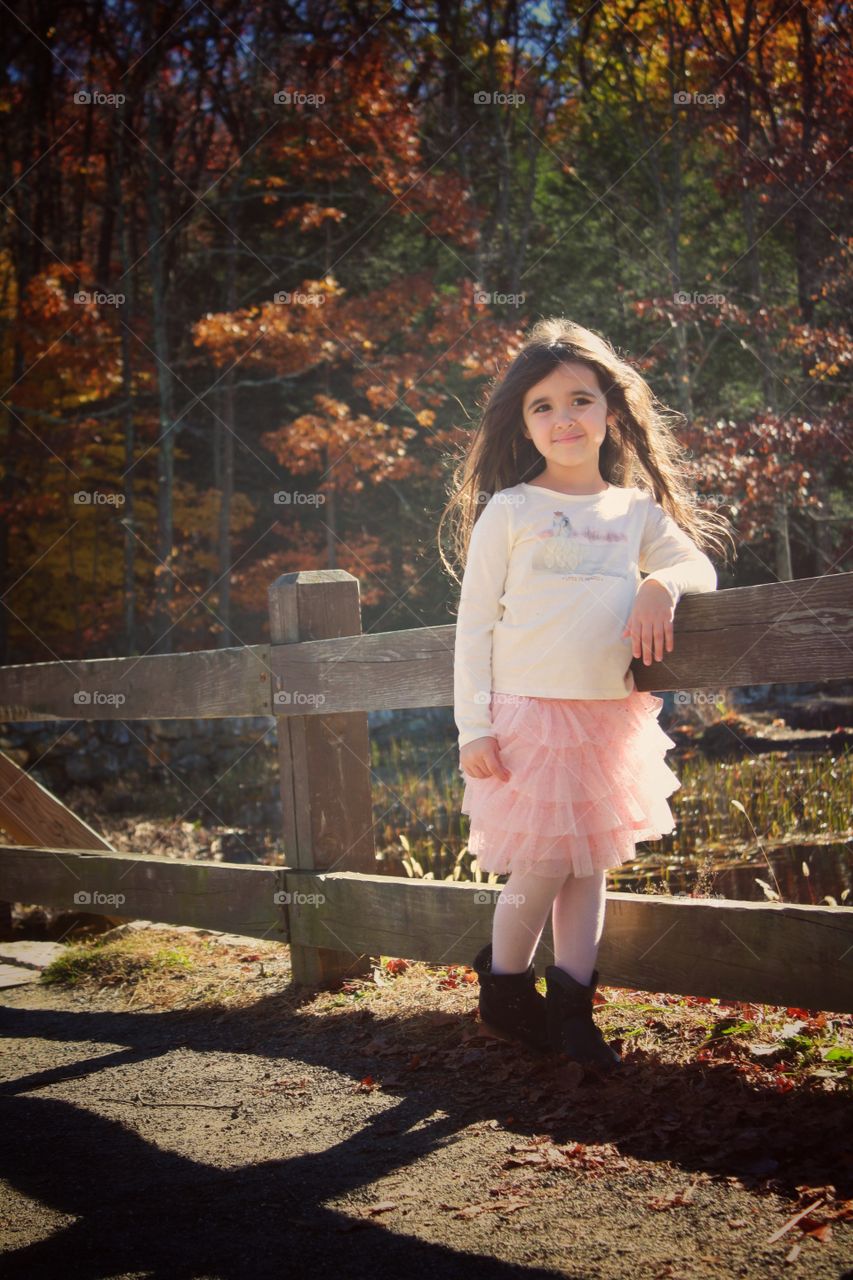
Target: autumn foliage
[(254, 285)]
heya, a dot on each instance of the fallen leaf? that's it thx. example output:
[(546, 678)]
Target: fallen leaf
[(494, 1206), (671, 1201), (792, 1221), (382, 1207), (815, 1227)]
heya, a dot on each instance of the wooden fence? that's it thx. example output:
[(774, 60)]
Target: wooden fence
[(319, 675)]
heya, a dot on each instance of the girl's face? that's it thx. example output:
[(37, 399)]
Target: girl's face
[(565, 415)]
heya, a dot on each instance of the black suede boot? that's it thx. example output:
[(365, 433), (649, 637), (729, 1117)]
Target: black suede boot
[(509, 1002), (571, 1029)]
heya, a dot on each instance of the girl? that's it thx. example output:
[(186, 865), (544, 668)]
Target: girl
[(569, 490)]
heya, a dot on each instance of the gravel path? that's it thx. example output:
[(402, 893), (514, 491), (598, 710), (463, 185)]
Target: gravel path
[(375, 1141)]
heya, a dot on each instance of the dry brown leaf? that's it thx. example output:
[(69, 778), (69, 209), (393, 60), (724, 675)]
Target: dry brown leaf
[(495, 1206), (792, 1221), (383, 1206)]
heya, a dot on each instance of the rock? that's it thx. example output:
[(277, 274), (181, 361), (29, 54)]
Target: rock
[(107, 762), (116, 732), (12, 975), (820, 712), (74, 740), (33, 955), (272, 814), (81, 767), (167, 729), (51, 776), (190, 764), (234, 845), (259, 814)]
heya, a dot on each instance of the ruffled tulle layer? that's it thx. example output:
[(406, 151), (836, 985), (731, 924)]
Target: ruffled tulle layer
[(588, 780)]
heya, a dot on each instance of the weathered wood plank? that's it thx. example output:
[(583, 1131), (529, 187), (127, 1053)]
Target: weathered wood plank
[(773, 632), (775, 953), (207, 683), (207, 895), (325, 758), (30, 814)]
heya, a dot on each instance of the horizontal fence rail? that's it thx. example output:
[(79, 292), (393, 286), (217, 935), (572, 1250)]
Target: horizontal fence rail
[(227, 896), (776, 953), (201, 684), (320, 676), (773, 632)]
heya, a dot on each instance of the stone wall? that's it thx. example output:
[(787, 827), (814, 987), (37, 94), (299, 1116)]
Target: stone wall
[(64, 754), (114, 755)]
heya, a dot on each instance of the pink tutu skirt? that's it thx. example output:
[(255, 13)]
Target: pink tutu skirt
[(588, 780)]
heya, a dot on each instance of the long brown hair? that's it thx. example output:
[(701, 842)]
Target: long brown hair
[(642, 449)]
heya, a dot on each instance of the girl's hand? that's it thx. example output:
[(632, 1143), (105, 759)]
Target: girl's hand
[(482, 759), (650, 622)]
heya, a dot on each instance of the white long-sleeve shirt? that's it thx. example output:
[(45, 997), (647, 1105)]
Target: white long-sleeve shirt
[(549, 585)]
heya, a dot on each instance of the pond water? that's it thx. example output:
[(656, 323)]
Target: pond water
[(783, 818)]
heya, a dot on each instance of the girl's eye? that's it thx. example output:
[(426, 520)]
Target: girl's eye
[(582, 399)]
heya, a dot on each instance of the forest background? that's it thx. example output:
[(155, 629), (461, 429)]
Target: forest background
[(259, 262)]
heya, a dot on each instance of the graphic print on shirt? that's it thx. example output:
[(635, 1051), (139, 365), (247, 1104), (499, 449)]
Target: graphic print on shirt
[(565, 549)]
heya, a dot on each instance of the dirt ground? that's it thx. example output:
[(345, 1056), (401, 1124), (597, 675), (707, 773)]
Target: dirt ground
[(201, 1119)]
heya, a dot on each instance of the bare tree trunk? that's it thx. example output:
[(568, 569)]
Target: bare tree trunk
[(756, 290), (164, 590), (128, 519), (225, 440), (807, 226), (673, 228), (331, 517), (784, 571), (11, 480)]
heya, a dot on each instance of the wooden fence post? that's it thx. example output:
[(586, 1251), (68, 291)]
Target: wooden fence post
[(324, 761)]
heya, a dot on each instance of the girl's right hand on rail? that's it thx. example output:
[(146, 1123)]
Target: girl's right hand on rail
[(482, 759)]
